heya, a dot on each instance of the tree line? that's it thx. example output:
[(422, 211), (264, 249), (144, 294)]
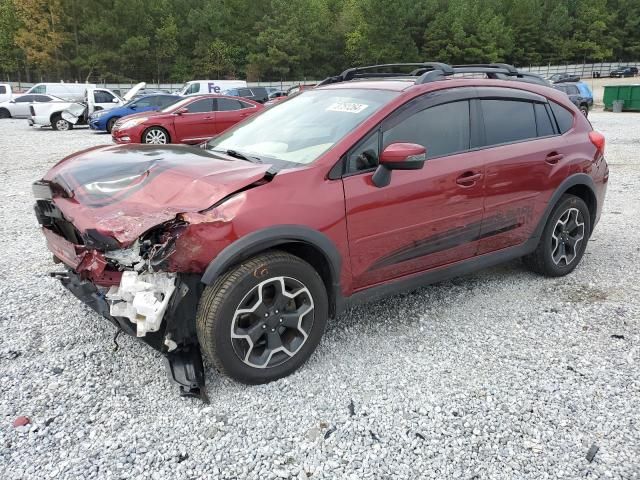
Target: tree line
[(177, 40)]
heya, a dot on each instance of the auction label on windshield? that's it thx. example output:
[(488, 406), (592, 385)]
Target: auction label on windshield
[(346, 107)]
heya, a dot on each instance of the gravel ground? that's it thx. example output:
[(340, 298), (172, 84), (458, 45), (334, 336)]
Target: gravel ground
[(501, 374)]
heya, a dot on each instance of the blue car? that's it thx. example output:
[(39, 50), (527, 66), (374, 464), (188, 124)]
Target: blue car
[(104, 120), (586, 92)]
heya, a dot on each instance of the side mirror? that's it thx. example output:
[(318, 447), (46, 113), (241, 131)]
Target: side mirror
[(133, 107), (182, 111), (398, 156)]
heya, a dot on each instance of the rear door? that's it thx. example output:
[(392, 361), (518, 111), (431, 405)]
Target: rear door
[(197, 122), (522, 149), (424, 218), (228, 113)]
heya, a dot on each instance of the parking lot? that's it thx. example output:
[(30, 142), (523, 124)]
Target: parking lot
[(500, 374)]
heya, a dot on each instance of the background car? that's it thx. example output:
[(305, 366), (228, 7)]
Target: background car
[(564, 77), (191, 120), (18, 107), (624, 72), (105, 119), (584, 103), (257, 94)]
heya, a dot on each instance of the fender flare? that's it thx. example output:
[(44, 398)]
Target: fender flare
[(575, 179), (260, 240)]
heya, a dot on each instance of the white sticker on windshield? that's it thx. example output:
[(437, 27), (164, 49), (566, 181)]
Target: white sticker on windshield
[(347, 107)]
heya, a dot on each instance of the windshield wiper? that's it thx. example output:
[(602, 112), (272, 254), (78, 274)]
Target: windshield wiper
[(238, 155)]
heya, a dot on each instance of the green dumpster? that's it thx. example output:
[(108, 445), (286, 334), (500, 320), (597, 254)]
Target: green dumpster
[(630, 94)]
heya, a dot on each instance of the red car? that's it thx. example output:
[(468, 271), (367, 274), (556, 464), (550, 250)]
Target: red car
[(358, 188), (191, 120)]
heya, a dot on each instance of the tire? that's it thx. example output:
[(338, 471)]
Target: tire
[(4, 113), (547, 259), (156, 136), (59, 123), (112, 121), (231, 307), (585, 110)]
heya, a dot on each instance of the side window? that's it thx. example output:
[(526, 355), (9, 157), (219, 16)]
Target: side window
[(39, 89), (3, 89), (365, 156), (442, 129), (100, 96), (201, 106), (563, 117), (193, 88), (146, 102), (245, 105), (245, 92), (507, 121), (42, 98), (165, 101), (543, 121), (573, 90), (226, 105)]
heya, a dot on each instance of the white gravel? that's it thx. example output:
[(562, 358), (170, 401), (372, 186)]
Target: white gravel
[(501, 374)]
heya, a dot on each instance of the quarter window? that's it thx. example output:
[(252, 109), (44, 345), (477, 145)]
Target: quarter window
[(442, 129), (563, 117), (507, 121), (365, 157), (25, 99)]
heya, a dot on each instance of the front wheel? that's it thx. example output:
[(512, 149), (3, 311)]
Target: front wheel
[(112, 121), (262, 320), (59, 123), (564, 239), (156, 136)]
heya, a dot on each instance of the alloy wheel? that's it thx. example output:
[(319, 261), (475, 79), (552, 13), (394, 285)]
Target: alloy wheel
[(567, 236), (272, 322), (62, 124), (155, 136)]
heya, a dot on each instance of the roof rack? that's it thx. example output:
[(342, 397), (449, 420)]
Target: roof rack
[(431, 72)]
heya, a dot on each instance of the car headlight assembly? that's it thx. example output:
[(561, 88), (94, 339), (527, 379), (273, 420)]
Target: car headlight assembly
[(133, 122), (97, 114)]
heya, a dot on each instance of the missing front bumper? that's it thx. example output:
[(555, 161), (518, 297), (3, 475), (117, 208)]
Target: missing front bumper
[(184, 361)]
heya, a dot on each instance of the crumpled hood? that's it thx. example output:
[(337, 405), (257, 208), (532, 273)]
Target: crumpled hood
[(122, 191)]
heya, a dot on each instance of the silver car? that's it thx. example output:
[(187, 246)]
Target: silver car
[(18, 107)]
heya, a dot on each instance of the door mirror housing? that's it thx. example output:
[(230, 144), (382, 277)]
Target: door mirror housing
[(115, 100), (182, 111), (398, 156)]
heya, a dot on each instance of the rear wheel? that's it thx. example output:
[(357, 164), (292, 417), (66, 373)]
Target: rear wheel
[(156, 136), (112, 121), (4, 113), (59, 123), (263, 319), (564, 239)]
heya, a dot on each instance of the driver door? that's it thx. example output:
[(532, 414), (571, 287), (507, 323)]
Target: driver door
[(196, 123), (424, 218)]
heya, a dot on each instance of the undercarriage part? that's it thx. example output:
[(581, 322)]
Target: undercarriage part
[(185, 368), (142, 298)]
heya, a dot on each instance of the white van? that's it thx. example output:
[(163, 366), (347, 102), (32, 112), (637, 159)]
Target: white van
[(66, 91), (5, 92), (198, 87)]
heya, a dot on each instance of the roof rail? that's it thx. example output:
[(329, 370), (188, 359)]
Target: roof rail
[(361, 72), (427, 71)]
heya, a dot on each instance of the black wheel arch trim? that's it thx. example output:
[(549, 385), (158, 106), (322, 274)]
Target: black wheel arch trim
[(577, 179), (270, 237)]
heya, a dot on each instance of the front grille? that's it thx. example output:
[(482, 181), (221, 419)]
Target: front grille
[(50, 216)]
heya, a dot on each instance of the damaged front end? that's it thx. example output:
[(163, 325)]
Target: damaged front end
[(127, 287)]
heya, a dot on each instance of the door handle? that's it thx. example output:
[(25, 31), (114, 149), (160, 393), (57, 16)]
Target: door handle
[(553, 158), (468, 179)]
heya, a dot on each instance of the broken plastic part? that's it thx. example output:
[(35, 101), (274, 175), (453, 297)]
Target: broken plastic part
[(126, 256), (142, 298)]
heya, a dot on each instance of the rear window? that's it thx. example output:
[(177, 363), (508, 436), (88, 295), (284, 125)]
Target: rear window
[(564, 117), (507, 121)]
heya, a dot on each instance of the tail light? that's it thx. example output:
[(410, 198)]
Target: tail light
[(598, 140)]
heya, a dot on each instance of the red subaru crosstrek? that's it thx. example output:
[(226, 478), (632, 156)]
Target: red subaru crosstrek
[(191, 120), (361, 187)]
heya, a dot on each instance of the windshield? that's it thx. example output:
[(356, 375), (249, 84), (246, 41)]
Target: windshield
[(302, 128)]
